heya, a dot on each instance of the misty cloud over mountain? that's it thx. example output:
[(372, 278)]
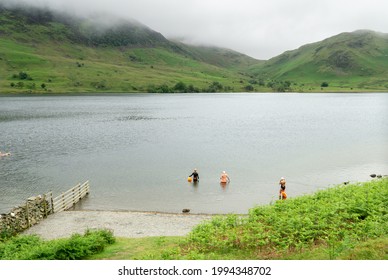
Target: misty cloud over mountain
[(261, 29)]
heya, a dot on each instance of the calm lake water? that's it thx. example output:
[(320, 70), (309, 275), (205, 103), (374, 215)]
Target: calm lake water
[(137, 150)]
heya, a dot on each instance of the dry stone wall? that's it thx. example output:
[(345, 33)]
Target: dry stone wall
[(22, 217)]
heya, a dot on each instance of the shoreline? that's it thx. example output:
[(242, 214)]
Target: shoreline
[(123, 223), (126, 93)]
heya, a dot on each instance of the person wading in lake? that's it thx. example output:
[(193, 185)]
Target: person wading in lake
[(282, 191), (4, 154), (224, 178), (195, 175)]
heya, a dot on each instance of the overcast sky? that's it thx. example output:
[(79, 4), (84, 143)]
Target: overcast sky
[(259, 28)]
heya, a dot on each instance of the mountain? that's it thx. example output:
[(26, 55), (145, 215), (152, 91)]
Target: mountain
[(44, 24), (217, 56), (355, 60), (43, 51)]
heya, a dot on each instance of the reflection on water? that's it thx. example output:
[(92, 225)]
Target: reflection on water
[(137, 150)]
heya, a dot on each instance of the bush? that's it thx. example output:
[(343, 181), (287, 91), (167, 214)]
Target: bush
[(77, 247), (23, 75), (215, 87), (325, 84), (180, 87), (337, 217), (279, 86), (192, 89), (249, 88), (160, 89)]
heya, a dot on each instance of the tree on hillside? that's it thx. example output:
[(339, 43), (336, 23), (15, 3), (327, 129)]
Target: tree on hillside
[(249, 88), (23, 75), (215, 87), (180, 87)]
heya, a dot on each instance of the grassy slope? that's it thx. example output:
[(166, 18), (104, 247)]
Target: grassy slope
[(348, 61), (103, 69), (224, 58), (346, 222), (51, 54), (77, 58)]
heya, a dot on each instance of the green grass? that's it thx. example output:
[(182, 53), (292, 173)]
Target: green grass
[(345, 222), (67, 58), (68, 68), (336, 218), (356, 61), (77, 247), (148, 248)]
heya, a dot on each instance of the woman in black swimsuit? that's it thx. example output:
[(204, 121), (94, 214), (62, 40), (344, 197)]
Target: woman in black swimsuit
[(195, 175)]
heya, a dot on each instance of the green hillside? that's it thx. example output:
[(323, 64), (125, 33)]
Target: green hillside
[(41, 51), (348, 61), (45, 52), (221, 57)]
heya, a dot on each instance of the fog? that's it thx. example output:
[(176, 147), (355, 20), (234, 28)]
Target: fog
[(261, 29)]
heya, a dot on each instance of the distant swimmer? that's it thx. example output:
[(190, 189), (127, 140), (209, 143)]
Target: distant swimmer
[(282, 182), (282, 194), (194, 175), (282, 191), (4, 154), (224, 178)]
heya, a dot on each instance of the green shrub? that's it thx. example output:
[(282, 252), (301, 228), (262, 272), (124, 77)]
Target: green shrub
[(337, 217), (180, 87), (77, 247), (23, 75)]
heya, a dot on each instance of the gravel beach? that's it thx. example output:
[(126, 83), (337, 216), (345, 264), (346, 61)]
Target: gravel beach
[(122, 223)]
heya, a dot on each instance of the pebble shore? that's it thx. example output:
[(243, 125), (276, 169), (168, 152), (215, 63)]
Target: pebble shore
[(122, 223)]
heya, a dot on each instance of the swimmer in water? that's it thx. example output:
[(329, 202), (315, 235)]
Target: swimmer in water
[(224, 178), (4, 154)]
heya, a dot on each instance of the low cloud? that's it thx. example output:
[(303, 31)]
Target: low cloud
[(261, 29)]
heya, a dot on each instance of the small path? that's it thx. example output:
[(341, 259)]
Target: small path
[(122, 223)]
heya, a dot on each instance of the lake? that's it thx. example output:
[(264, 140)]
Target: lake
[(137, 150)]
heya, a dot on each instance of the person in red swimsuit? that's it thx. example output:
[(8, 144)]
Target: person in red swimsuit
[(224, 178)]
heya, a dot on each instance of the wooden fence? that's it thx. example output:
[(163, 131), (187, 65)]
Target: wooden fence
[(69, 198)]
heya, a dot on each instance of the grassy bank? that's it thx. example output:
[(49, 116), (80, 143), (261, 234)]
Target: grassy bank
[(77, 247), (343, 222)]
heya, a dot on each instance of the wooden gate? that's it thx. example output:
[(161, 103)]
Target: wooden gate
[(69, 198)]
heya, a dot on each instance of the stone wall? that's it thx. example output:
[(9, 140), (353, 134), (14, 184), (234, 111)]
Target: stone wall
[(22, 217)]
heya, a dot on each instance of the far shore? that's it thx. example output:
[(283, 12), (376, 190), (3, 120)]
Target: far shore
[(124, 93)]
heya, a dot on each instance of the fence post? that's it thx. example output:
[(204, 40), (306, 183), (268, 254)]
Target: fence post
[(72, 194), (63, 201), (28, 215), (45, 206), (52, 203)]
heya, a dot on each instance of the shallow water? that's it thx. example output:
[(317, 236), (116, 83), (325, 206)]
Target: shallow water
[(137, 150)]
